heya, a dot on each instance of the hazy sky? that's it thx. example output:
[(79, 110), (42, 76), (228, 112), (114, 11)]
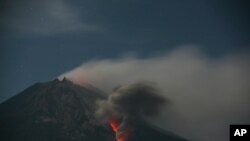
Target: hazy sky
[(39, 40)]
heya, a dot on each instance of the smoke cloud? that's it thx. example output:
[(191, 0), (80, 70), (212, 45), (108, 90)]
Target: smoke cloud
[(128, 104), (133, 101), (207, 94)]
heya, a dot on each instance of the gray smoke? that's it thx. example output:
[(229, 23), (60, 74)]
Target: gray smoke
[(128, 104), (134, 101), (207, 94)]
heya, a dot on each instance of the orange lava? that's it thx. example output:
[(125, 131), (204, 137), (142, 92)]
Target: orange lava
[(114, 125), (119, 136)]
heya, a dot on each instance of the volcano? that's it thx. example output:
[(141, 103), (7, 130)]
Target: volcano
[(60, 110)]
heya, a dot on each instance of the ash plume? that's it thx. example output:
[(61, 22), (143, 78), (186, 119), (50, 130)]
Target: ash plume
[(134, 101), (207, 94), (128, 104)]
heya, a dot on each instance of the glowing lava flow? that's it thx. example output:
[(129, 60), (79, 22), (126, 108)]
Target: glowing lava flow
[(114, 125), (120, 136)]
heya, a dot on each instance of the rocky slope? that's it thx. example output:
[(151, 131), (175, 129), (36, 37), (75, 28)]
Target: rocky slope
[(62, 111), (56, 110)]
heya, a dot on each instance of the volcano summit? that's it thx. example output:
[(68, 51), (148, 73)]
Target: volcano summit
[(60, 110)]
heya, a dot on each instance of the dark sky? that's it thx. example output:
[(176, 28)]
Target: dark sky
[(41, 39)]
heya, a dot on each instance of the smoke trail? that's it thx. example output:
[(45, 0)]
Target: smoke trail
[(207, 94), (134, 100), (129, 104)]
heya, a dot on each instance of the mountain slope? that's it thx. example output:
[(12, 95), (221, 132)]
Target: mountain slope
[(57, 110), (62, 111), (148, 132)]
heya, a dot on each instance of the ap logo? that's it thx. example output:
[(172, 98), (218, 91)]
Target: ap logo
[(239, 132)]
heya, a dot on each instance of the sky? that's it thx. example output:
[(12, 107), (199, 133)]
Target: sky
[(196, 50), (42, 39)]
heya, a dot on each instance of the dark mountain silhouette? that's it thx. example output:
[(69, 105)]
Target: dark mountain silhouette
[(146, 132), (62, 111)]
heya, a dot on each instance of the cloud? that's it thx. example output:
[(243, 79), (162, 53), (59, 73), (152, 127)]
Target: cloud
[(207, 94), (47, 17)]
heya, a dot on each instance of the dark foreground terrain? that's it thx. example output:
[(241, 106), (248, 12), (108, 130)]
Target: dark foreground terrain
[(63, 111)]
